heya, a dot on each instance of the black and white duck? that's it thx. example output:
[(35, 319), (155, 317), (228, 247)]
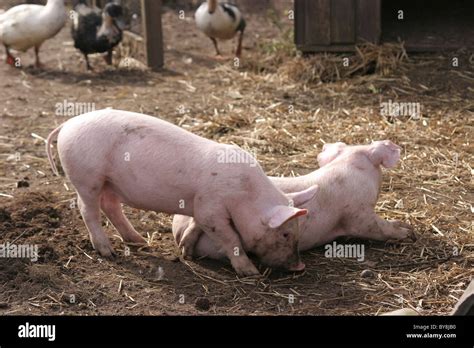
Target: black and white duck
[(222, 21), (96, 31)]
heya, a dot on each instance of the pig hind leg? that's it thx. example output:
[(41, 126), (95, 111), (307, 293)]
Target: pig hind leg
[(90, 210), (372, 226), (110, 205)]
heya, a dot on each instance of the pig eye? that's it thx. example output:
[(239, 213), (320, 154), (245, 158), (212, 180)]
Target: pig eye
[(286, 235)]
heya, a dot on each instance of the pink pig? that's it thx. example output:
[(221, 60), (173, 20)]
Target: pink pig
[(114, 156), (348, 184)]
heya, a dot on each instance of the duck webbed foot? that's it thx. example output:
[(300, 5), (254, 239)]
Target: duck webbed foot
[(88, 65), (218, 53), (11, 60), (108, 57)]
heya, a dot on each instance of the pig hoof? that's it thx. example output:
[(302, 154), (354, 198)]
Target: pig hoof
[(187, 252), (177, 238), (135, 239), (247, 271), (105, 251), (187, 247), (403, 230)]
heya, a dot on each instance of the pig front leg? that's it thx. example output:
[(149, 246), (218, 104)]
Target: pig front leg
[(224, 235), (372, 226)]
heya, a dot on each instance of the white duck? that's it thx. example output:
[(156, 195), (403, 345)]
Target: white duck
[(220, 21), (26, 26)]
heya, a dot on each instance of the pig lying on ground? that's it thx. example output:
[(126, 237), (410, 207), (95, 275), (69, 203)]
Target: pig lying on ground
[(348, 184), (114, 156)]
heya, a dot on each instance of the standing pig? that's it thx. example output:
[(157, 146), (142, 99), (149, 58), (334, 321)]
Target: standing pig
[(348, 184), (114, 156)]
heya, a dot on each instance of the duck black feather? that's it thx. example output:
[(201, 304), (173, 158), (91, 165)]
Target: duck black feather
[(228, 9), (91, 34), (242, 25)]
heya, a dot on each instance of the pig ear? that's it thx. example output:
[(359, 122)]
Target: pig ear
[(281, 214), (330, 152), (303, 197), (385, 153)]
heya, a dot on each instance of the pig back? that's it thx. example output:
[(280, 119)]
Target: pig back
[(136, 154)]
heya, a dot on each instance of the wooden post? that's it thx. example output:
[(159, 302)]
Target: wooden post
[(151, 14), (98, 3)]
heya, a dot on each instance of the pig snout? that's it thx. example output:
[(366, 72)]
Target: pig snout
[(300, 266), (294, 263)]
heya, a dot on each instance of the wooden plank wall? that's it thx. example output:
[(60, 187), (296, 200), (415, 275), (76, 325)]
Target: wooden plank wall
[(343, 21), (312, 22), (369, 20), (336, 25)]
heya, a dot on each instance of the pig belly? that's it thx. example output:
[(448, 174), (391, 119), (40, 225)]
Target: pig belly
[(155, 181), (152, 197), (317, 234), (142, 182)]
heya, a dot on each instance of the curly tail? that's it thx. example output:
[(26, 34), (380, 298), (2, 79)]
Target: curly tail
[(48, 149)]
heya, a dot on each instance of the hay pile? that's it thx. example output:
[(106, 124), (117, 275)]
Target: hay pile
[(368, 59)]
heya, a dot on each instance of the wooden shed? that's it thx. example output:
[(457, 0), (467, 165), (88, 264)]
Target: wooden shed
[(424, 25)]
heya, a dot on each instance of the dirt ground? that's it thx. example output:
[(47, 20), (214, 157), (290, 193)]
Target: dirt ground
[(247, 105)]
